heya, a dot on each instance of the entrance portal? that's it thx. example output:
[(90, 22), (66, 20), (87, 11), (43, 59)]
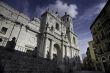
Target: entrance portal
[(56, 53)]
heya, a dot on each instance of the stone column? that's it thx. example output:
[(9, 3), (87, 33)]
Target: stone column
[(45, 47), (60, 58), (62, 49), (63, 53), (65, 50), (71, 51), (51, 48)]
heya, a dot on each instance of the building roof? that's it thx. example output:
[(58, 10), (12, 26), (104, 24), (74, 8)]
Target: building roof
[(108, 2)]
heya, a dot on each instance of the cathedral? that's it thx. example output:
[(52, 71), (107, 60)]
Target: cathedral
[(50, 35)]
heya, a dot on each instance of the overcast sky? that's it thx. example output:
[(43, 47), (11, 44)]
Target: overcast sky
[(83, 12)]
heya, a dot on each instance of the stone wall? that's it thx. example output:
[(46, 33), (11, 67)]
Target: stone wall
[(18, 25), (18, 62)]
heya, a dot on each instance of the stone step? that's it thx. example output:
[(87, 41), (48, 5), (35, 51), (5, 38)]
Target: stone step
[(88, 72)]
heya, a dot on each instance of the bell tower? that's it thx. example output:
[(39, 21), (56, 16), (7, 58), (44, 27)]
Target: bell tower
[(67, 19)]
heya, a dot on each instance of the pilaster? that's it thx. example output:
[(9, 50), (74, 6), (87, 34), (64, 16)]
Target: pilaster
[(45, 47), (51, 49)]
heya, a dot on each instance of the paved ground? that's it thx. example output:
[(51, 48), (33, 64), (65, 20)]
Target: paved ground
[(88, 72)]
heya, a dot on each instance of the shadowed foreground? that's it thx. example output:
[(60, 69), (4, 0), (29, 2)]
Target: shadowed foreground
[(88, 72), (18, 62)]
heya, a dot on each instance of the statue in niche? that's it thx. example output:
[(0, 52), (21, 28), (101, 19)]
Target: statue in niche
[(52, 29), (48, 55), (35, 52), (55, 58)]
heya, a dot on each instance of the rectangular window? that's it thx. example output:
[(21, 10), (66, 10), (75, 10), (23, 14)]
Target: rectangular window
[(4, 30), (1, 17)]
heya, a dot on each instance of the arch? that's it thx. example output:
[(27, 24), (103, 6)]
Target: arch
[(56, 53), (56, 48), (57, 26)]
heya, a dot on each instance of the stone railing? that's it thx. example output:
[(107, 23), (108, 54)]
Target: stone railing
[(20, 48)]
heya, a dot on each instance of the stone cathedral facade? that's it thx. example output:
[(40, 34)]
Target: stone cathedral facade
[(52, 35)]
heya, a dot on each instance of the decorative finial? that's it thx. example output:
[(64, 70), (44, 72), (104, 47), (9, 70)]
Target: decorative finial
[(52, 11), (65, 13), (48, 9), (57, 11)]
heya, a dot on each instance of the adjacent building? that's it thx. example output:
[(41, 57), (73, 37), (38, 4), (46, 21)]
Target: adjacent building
[(89, 62), (90, 50), (100, 30), (52, 35), (91, 57)]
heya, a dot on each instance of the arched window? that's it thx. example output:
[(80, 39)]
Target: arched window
[(57, 26), (74, 41), (67, 19), (56, 53)]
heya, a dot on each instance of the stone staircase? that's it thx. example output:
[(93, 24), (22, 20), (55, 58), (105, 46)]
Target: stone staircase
[(18, 62)]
